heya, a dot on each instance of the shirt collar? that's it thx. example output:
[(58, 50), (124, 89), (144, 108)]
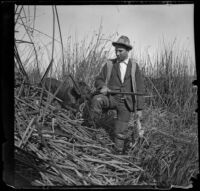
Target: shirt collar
[(126, 61)]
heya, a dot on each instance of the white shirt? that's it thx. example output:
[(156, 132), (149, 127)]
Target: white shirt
[(123, 67)]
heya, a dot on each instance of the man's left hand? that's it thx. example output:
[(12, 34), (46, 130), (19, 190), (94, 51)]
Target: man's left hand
[(104, 90)]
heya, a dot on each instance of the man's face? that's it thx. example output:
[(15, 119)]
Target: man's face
[(121, 53)]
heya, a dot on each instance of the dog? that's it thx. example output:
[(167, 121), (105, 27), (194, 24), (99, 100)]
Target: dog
[(68, 93)]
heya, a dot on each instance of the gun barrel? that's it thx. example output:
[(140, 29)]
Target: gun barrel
[(128, 93)]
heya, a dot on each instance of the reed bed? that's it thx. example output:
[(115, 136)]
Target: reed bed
[(58, 150), (61, 151)]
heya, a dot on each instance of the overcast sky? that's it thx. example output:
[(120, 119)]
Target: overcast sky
[(145, 25)]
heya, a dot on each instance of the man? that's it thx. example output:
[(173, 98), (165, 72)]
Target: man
[(123, 75)]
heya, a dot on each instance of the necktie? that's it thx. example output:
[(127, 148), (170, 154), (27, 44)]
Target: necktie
[(123, 67)]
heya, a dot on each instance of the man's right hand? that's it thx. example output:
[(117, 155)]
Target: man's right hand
[(104, 90)]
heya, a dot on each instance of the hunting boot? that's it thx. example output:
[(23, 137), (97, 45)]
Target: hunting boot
[(119, 145), (120, 130)]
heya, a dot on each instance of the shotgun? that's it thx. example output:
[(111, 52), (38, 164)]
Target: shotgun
[(129, 93), (122, 93)]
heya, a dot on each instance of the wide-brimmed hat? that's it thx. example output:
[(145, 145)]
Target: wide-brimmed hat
[(124, 41)]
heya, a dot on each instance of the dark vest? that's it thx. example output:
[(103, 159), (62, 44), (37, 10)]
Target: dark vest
[(115, 83)]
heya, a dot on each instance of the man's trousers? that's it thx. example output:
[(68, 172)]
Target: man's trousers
[(100, 102)]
